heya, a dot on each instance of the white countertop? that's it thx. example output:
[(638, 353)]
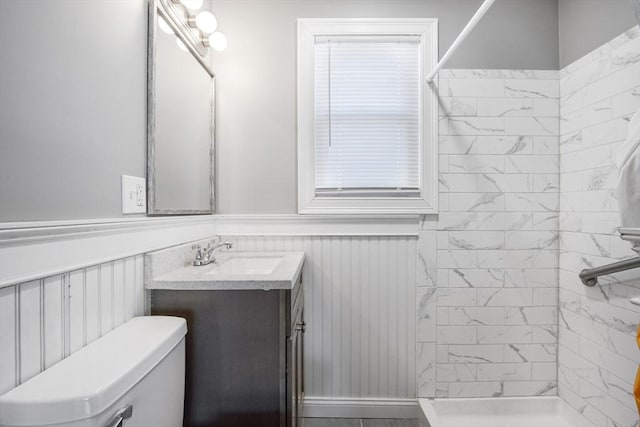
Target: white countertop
[(216, 276)]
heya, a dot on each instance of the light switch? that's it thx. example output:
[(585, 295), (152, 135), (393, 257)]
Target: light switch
[(134, 195)]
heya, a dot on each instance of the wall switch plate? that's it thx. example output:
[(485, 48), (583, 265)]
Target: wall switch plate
[(134, 194)]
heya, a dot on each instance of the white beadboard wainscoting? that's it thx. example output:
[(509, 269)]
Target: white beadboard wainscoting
[(598, 355), (360, 278), (360, 312), (64, 284), (45, 320)]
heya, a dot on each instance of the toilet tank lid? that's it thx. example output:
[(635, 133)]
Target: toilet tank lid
[(91, 380)]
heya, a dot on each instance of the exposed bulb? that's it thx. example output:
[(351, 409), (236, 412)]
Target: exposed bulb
[(192, 4), (164, 26), (181, 45), (206, 22), (218, 41)]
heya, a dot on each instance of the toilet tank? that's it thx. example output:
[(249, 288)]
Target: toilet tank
[(137, 369)]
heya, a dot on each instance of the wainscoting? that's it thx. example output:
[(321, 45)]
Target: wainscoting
[(360, 312), (63, 284), (45, 320), (360, 277)]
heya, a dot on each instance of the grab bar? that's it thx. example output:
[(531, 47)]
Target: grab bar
[(589, 276)]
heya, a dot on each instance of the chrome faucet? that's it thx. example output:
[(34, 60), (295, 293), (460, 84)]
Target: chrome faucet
[(206, 255)]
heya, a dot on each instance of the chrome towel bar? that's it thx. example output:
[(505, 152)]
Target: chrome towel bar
[(589, 276)]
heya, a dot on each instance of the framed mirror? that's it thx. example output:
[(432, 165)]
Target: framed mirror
[(180, 127)]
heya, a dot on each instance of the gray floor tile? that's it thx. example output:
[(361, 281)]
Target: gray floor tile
[(332, 422), (390, 423)]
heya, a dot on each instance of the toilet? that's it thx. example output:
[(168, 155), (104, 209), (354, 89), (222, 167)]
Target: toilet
[(133, 376)]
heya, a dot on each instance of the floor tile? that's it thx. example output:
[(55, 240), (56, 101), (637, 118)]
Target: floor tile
[(389, 423), (332, 422)]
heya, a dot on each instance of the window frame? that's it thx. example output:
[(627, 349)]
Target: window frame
[(308, 201)]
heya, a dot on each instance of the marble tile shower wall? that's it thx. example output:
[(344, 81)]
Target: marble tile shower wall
[(598, 356), (487, 267)]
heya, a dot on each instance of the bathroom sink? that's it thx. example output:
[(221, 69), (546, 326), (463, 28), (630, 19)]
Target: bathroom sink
[(245, 264), (232, 270)]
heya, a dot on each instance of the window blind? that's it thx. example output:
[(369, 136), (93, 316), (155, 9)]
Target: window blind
[(367, 116)]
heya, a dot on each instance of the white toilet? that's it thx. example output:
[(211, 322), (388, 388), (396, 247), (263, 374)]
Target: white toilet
[(133, 376)]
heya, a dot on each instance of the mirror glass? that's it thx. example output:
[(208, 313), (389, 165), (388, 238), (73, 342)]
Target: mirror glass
[(181, 112)]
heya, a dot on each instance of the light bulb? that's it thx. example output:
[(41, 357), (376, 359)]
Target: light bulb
[(206, 22), (181, 45), (164, 26), (218, 41), (192, 4)]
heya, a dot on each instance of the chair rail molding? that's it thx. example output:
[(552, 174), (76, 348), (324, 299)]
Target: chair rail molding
[(32, 250), (318, 225)]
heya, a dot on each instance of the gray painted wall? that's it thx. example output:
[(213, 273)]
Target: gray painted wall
[(256, 78), (73, 114), (587, 24), (72, 106)]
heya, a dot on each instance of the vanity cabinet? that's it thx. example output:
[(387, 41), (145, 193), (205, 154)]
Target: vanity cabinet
[(244, 354), (295, 365)]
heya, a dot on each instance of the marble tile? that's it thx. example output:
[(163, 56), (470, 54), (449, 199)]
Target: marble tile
[(426, 327), (476, 87), (504, 372), (479, 353), (503, 107), (507, 145), (476, 277), (504, 220), (458, 106), (478, 126), (497, 232), (426, 369), (532, 88), (475, 316)]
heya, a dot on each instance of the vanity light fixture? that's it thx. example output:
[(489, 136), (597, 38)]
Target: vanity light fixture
[(192, 4), (164, 26), (206, 22), (217, 41), (181, 45), (199, 30)]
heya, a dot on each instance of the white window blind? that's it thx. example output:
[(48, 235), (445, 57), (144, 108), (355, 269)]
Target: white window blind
[(367, 116)]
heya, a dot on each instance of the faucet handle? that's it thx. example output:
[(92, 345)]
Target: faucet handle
[(198, 250)]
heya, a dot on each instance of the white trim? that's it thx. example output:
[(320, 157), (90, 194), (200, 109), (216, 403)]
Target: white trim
[(305, 225), (308, 202), (34, 250), (322, 407), (22, 232)]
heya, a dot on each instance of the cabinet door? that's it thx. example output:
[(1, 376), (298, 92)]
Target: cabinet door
[(299, 390), (296, 374), (292, 380)]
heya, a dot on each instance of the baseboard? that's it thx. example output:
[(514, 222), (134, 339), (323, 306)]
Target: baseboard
[(323, 407)]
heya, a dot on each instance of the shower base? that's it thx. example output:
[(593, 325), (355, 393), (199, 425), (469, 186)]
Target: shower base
[(498, 412)]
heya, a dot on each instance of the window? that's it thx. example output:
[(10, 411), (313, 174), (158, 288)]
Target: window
[(367, 119)]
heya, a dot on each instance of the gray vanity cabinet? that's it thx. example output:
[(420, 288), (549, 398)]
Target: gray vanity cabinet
[(244, 364), (295, 350)]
